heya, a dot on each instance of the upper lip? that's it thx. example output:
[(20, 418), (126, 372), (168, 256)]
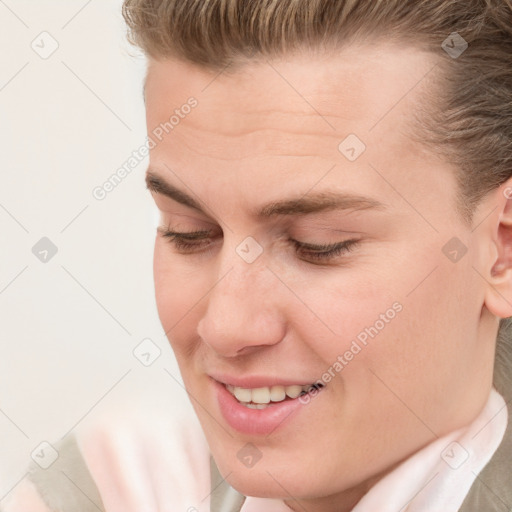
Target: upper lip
[(257, 381)]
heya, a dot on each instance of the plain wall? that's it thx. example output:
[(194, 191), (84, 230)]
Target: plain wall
[(69, 325)]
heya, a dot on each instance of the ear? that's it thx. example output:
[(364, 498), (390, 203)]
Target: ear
[(498, 296)]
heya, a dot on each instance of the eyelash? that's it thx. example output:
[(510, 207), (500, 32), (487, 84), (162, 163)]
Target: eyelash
[(318, 253), (323, 253)]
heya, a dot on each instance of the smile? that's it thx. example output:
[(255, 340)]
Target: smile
[(250, 407), (260, 398)]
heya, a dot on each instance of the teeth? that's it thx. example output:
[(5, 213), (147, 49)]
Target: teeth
[(259, 398), (277, 393), (243, 395), (294, 391), (256, 406), (260, 395)]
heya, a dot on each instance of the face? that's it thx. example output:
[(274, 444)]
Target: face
[(290, 254)]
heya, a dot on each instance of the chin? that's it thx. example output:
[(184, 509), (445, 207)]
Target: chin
[(274, 479), (263, 485)]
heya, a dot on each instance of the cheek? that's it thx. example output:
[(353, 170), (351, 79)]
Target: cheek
[(344, 306), (402, 318), (427, 355), (178, 294)]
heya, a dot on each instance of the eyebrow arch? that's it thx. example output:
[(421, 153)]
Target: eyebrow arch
[(156, 184), (306, 204)]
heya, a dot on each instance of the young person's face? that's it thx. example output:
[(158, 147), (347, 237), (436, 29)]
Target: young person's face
[(394, 325)]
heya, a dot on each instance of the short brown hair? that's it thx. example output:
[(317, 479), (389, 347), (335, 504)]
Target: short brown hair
[(468, 121)]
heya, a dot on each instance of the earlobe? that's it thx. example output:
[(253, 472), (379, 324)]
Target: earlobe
[(498, 297), (499, 276)]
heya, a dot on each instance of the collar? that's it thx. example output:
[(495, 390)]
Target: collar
[(438, 477)]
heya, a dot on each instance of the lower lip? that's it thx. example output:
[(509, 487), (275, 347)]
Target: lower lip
[(255, 421)]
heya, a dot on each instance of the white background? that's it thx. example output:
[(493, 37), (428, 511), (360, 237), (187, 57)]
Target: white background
[(68, 327)]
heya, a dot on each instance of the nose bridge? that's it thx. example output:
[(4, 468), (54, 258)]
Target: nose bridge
[(240, 308), (241, 291), (242, 272), (243, 277)]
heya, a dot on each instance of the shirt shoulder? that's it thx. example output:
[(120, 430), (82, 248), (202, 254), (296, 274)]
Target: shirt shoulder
[(64, 485), (492, 489), (22, 498)]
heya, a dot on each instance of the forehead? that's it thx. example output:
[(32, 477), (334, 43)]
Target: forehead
[(353, 82), (294, 104), (272, 121)]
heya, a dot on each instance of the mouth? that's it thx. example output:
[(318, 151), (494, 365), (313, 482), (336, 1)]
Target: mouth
[(264, 410), (263, 397)]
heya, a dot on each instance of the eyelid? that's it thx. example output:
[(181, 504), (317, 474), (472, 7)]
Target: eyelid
[(204, 233), (323, 254), (314, 254), (189, 235), (319, 247), (187, 242)]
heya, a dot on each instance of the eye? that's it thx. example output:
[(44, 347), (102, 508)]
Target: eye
[(198, 241), (189, 242), (323, 253)]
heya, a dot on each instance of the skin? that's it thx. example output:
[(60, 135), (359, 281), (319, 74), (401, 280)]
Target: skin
[(253, 139)]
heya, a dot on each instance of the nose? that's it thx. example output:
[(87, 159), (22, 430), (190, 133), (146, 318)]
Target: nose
[(242, 310)]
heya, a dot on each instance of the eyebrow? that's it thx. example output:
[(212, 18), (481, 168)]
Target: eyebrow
[(303, 205)]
